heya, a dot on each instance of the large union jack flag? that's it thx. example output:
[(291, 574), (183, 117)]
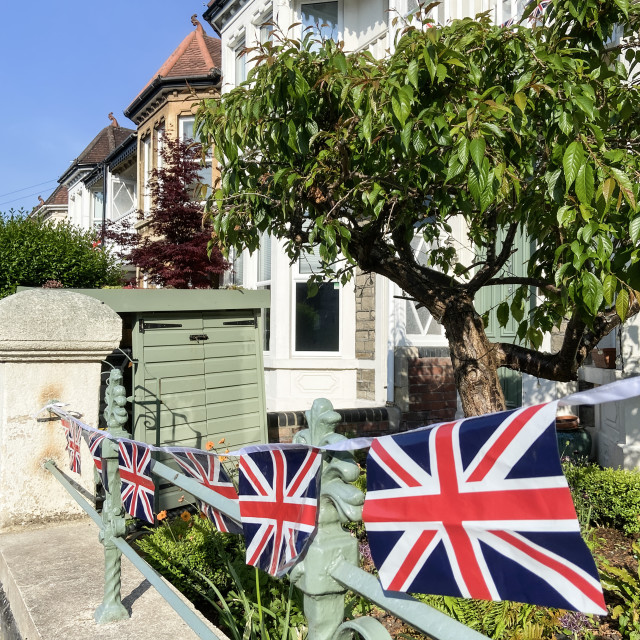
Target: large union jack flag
[(208, 471), (73, 432), (136, 484), (278, 505), (479, 508)]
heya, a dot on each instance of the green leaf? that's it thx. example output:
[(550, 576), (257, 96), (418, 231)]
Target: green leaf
[(463, 150), (521, 101), (592, 292), (412, 72), (366, 127), (609, 289), (405, 135), (634, 230), (477, 149), (571, 162), (622, 304), (625, 185), (565, 123), (340, 61), (502, 313), (586, 104), (585, 184), (419, 142)]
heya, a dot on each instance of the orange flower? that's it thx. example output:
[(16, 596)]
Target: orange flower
[(209, 445), (186, 516), (161, 516), (222, 458), (202, 515), (221, 441)]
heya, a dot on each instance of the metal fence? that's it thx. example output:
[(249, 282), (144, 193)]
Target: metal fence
[(326, 571)]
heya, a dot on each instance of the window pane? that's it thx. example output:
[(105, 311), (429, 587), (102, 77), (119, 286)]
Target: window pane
[(322, 17), (317, 318), (310, 262), (186, 126), (241, 63), (266, 320), (266, 30), (264, 258)]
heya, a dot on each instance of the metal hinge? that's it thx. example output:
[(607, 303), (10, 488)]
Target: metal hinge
[(243, 323), (144, 326)]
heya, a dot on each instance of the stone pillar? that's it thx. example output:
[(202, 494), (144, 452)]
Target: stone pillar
[(365, 335), (52, 343)]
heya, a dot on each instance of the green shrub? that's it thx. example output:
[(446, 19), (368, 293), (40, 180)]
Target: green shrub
[(209, 567), (611, 495), (33, 252)]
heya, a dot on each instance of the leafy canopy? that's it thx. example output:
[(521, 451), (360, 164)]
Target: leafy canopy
[(33, 251), (524, 131)]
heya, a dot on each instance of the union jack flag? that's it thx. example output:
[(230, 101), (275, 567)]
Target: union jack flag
[(94, 442), (136, 484), (479, 508), (208, 471), (278, 505), (74, 437)]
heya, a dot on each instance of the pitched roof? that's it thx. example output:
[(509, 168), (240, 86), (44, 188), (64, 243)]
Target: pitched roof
[(103, 144), (59, 196), (197, 55)]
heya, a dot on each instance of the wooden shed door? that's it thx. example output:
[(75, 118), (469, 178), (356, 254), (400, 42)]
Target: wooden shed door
[(198, 379)]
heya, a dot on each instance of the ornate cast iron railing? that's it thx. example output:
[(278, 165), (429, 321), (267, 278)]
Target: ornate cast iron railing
[(328, 568)]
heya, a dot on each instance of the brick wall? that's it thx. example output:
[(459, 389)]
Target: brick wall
[(431, 392)]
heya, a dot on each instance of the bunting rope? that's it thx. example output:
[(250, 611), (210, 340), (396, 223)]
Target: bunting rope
[(612, 392)]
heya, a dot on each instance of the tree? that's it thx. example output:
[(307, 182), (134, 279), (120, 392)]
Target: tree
[(530, 130), (34, 252), (172, 251)]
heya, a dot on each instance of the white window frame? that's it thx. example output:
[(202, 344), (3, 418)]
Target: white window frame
[(239, 44), (299, 4), (297, 278), (118, 183), (265, 283), (96, 223), (145, 143)]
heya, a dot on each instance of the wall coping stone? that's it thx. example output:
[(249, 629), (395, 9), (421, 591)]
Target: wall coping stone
[(56, 325)]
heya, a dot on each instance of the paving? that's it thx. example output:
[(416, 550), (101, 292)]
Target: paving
[(53, 579)]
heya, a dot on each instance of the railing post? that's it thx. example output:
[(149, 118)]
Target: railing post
[(113, 518), (340, 502)]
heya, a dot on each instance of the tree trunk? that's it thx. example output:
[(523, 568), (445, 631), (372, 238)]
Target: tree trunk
[(474, 359)]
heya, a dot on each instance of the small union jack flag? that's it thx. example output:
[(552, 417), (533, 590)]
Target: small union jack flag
[(479, 508), (136, 484), (208, 471), (94, 442), (74, 438), (278, 505)]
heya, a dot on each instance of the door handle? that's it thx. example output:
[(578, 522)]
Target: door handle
[(198, 336)]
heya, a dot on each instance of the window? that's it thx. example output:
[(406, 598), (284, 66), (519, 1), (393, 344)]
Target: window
[(240, 58), (322, 18), (186, 131), (124, 197), (317, 318), (97, 208), (234, 277), (266, 29), (146, 173), (159, 145), (264, 282)]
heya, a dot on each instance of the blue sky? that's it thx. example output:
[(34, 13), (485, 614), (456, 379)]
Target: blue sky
[(64, 66)]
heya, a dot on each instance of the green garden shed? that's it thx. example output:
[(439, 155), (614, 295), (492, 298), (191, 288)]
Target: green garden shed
[(196, 372)]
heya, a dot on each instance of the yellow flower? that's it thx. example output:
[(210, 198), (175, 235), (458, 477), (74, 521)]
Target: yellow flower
[(202, 515), (161, 516), (186, 516), (222, 458), (209, 445)]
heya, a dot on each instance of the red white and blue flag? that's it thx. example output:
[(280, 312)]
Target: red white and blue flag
[(136, 484), (479, 508), (209, 472), (278, 504), (73, 433), (94, 442)]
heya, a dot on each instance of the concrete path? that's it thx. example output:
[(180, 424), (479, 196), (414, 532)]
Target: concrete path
[(53, 578)]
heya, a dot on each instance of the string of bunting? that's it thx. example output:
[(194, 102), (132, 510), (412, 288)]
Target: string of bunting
[(476, 508)]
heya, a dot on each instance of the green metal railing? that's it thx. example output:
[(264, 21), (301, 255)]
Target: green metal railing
[(327, 570)]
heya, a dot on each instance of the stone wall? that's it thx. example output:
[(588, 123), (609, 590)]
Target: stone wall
[(365, 334), (51, 346)]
